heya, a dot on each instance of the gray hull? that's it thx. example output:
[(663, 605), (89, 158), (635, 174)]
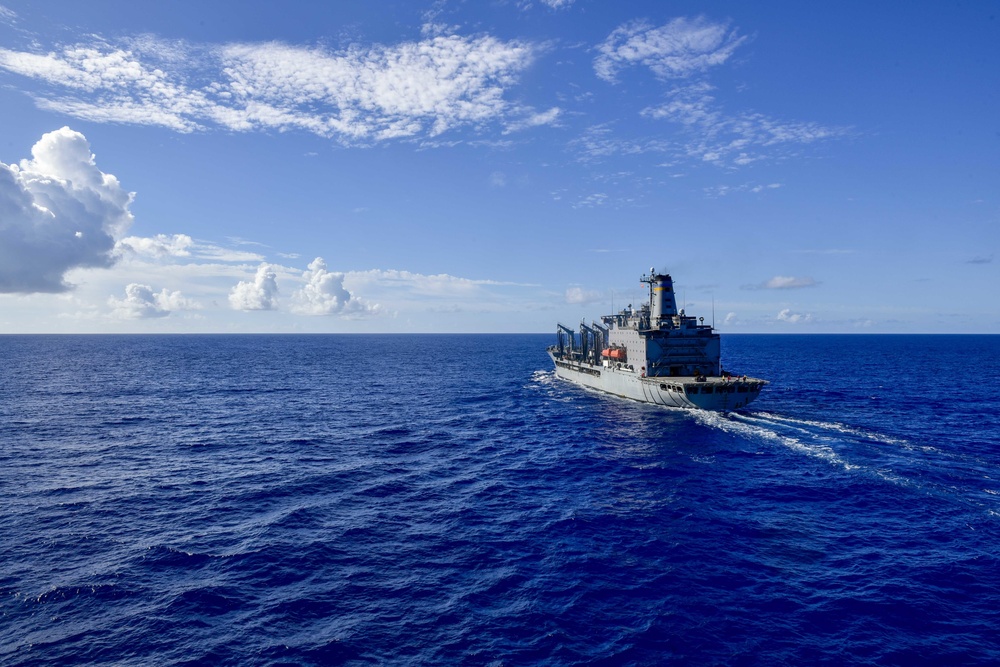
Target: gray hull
[(719, 394)]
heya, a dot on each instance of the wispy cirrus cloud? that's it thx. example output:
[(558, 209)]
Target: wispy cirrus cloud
[(732, 140), (602, 141), (677, 49), (688, 49), (594, 200), (725, 190), (783, 283), (355, 95), (179, 247), (440, 285), (525, 5)]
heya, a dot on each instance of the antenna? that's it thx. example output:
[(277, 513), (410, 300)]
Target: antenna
[(713, 310)]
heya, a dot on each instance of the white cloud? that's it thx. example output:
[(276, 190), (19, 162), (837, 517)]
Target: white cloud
[(724, 190), (592, 201), (732, 140), (260, 294), (360, 94), (678, 49), (578, 295), (787, 315), (141, 302), (598, 141), (58, 211), (730, 319), (535, 120), (109, 84), (688, 49), (551, 4), (161, 245), (7, 15), (789, 282), (220, 254), (182, 247), (437, 285), (324, 294), (784, 282)]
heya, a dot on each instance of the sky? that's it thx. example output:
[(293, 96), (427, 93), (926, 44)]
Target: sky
[(497, 166)]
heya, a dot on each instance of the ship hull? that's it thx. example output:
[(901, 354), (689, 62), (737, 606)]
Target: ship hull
[(716, 393)]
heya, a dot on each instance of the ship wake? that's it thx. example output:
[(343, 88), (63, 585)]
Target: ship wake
[(897, 460), (821, 440)]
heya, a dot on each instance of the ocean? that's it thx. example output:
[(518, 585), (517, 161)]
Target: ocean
[(444, 499)]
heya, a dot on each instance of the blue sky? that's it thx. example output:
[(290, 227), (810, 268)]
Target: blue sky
[(497, 166)]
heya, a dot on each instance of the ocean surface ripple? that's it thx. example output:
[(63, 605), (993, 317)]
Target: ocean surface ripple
[(425, 499)]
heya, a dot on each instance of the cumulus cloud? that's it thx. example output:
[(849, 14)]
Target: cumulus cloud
[(678, 49), (324, 294), (787, 315), (259, 294), (356, 95), (784, 282), (141, 302), (58, 212)]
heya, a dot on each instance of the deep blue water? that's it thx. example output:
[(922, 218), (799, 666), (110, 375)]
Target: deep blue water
[(296, 500)]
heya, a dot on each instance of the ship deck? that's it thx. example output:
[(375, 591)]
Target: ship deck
[(706, 384)]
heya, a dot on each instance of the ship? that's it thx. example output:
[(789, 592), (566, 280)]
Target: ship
[(655, 354)]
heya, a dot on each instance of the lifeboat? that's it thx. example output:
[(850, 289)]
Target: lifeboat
[(614, 353)]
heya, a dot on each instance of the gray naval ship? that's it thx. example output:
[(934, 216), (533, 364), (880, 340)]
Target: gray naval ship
[(655, 354)]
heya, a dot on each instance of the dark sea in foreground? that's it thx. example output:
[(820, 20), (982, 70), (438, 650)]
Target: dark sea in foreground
[(423, 499)]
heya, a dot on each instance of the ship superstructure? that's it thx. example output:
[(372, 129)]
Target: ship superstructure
[(654, 353)]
